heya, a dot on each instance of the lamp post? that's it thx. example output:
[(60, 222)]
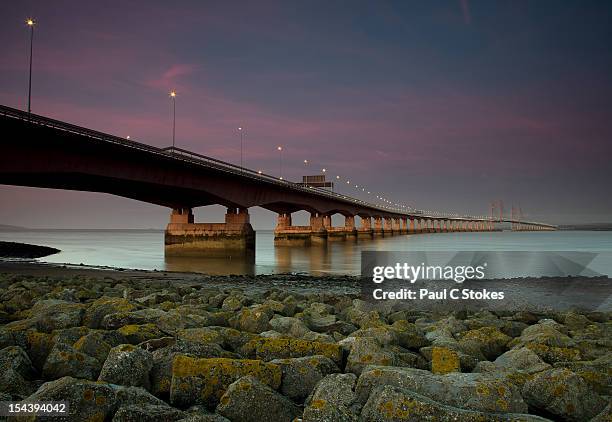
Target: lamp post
[(280, 161), (240, 131), (30, 22), (173, 97)]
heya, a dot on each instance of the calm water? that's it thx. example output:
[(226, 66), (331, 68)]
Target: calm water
[(145, 250)]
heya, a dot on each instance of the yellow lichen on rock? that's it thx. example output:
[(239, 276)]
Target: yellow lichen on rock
[(444, 360)]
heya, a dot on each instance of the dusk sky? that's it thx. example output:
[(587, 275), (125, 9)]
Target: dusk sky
[(443, 105)]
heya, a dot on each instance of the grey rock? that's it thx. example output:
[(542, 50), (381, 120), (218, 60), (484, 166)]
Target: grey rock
[(249, 400), (293, 327), (476, 391), (104, 306), (333, 399), (367, 351), (89, 400), (94, 345), (147, 413), (127, 365), (16, 371), (52, 314), (300, 375), (65, 361), (562, 393), (522, 359), (394, 404)]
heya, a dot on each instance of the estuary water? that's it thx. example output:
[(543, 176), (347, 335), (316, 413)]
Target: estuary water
[(144, 249)]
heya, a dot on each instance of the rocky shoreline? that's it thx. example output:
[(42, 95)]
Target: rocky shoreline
[(162, 347)]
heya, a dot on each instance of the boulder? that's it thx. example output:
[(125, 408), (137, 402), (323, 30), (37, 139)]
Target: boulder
[(52, 314), (490, 340), (282, 348), (147, 413), (65, 361), (562, 393), (249, 400), (252, 320), (94, 345), (444, 360), (300, 375), (394, 404), (522, 359), (476, 391), (203, 381), (333, 399), (89, 400), (163, 359), (104, 306), (16, 371), (135, 334), (367, 351), (293, 327), (127, 365)]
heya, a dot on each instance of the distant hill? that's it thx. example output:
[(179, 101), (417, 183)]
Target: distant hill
[(590, 226), (7, 228)]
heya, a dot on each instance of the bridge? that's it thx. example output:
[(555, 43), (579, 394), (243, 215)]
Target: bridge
[(41, 152)]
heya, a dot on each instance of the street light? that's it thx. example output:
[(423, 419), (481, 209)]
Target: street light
[(280, 162), (173, 96), (31, 23), (240, 131)]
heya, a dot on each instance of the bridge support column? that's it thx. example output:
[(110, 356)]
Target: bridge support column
[(317, 227), (388, 226), (365, 229), (404, 225), (287, 234), (411, 227), (396, 225), (378, 226), (234, 238)]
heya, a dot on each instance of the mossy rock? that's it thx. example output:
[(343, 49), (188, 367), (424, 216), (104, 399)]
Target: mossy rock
[(204, 381), (444, 360), (135, 334), (104, 306), (281, 348)]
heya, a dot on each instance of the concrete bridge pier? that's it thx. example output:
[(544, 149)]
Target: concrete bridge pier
[(411, 227), (318, 228), (396, 226), (285, 233), (388, 226), (404, 225), (365, 229), (378, 226), (234, 238)]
